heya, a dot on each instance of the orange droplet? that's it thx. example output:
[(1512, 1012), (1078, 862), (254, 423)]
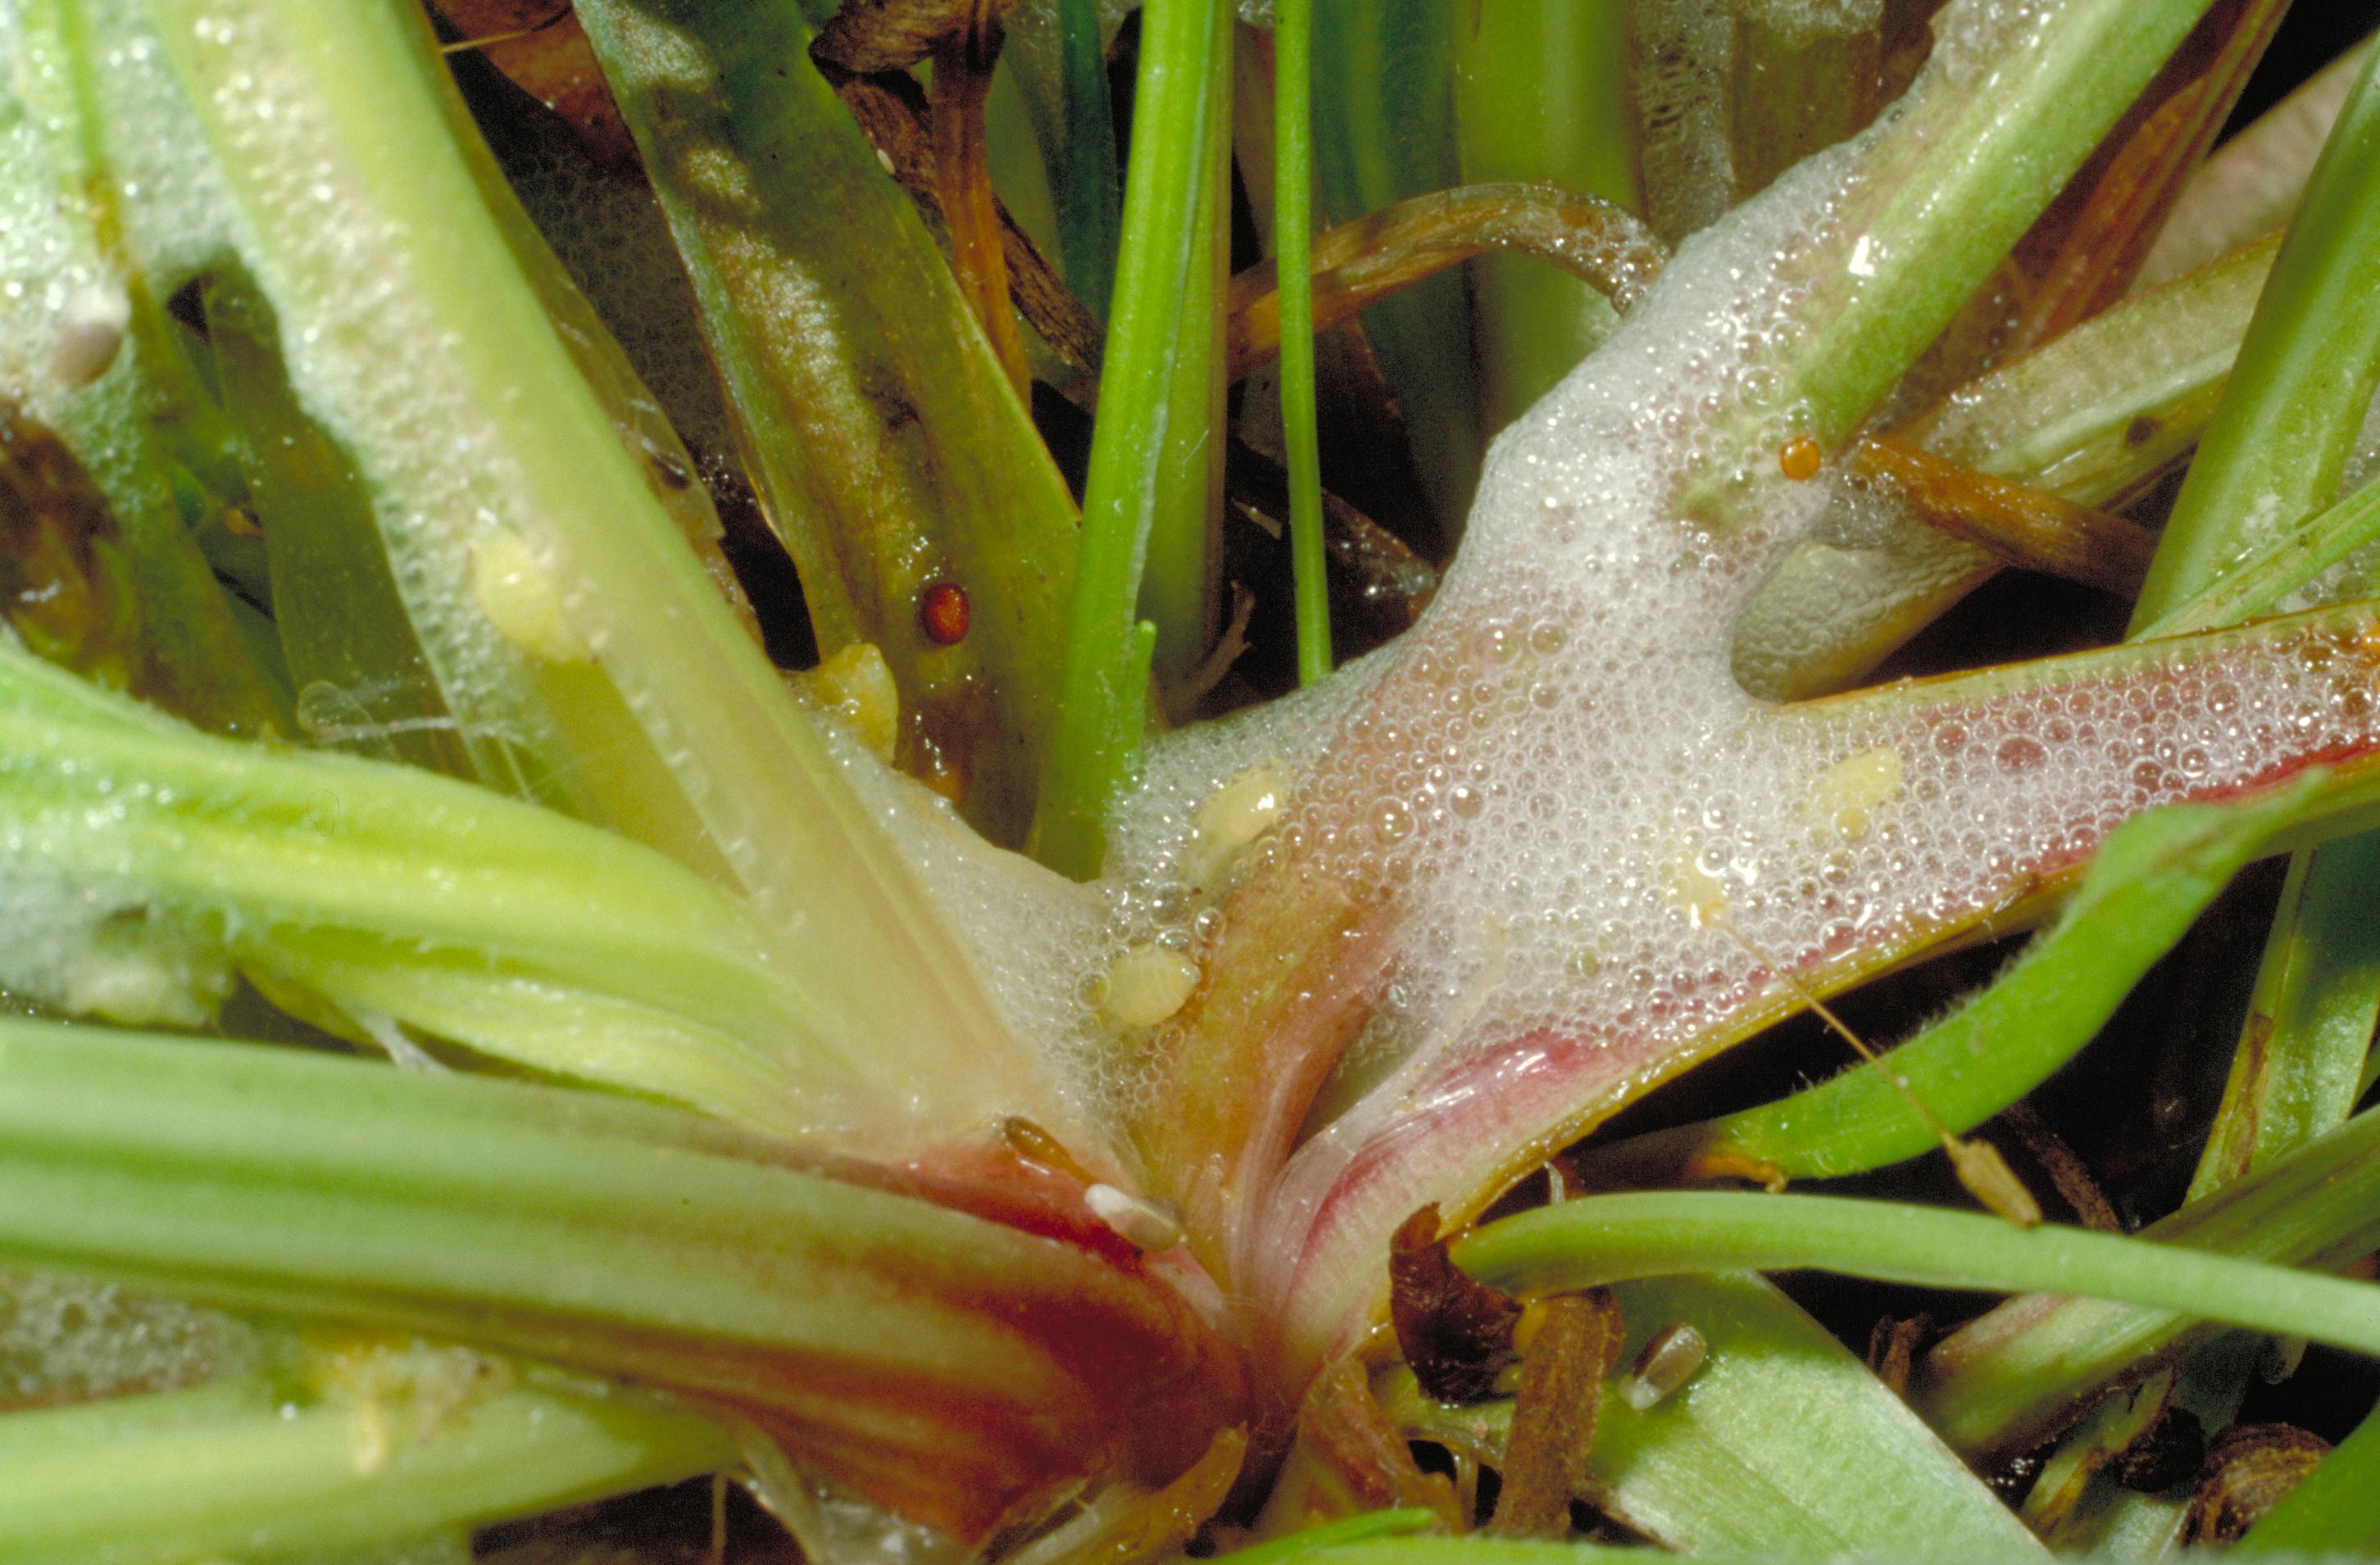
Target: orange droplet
[(1800, 458), (942, 611)]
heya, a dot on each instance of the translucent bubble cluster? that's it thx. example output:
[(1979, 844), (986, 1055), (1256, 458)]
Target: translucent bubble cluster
[(63, 1340), (1584, 829)]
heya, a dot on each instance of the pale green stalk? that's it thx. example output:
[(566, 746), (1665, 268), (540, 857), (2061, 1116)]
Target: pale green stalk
[(945, 1361), (2016, 1376), (1146, 417), (1601, 1239), (585, 652), (271, 1470), (1293, 248)]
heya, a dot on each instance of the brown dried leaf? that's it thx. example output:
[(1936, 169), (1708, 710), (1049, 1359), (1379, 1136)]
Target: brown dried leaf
[(1893, 1347), (1359, 264), (2020, 526), (1455, 1331), (539, 43), (1572, 1352), (2068, 1174), (2249, 1470), (61, 585), (866, 36)]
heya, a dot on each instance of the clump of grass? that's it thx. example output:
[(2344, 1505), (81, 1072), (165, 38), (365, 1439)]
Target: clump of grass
[(1038, 1202)]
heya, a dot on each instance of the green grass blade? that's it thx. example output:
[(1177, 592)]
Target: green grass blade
[(945, 1364), (1601, 1239), (2305, 374), (1293, 248), (1142, 442), (2258, 584), (346, 640), (1384, 130), (1723, 1464), (2013, 1377), (1369, 1527), (1957, 177), (275, 1466), (364, 893), (553, 570), (2091, 415), (1089, 184), (889, 453), (1540, 94), (2310, 1019)]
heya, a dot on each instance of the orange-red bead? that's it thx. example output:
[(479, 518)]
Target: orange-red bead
[(942, 613), (1800, 458)]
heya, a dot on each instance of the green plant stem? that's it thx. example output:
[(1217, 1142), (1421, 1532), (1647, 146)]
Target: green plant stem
[(2016, 1376), (1293, 249), (945, 1362), (624, 688), (1602, 1239), (1369, 1527), (246, 1466), (358, 890), (1985, 162), (2257, 584), (2309, 1018), (1180, 578), (2331, 1512), (1089, 191), (1384, 130), (1541, 95), (1168, 213), (2304, 377), (2270, 460), (2090, 415)]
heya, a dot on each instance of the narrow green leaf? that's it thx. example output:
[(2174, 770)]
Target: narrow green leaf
[(1089, 186), (2089, 416), (154, 859), (1540, 94), (1154, 423), (1602, 1239), (1368, 1527), (2305, 374), (1384, 130), (553, 568), (297, 1464), (1978, 158), (943, 1364), (2257, 585), (1293, 249), (889, 450), (2014, 1377)]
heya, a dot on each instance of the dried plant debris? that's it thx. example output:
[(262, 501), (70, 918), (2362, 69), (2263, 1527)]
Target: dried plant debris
[(62, 585), (2171, 1452), (539, 44), (2249, 1470), (1893, 1347), (1455, 1331), (1571, 1352)]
